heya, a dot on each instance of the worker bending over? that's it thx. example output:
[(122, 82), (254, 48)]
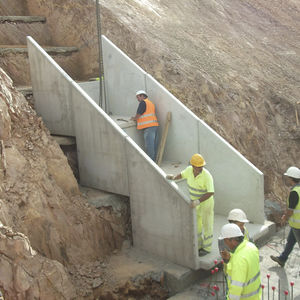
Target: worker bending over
[(201, 189), (242, 269), (146, 120)]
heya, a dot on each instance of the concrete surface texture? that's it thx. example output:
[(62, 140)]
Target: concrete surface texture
[(110, 158)]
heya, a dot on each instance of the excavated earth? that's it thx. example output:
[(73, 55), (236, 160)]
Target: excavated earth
[(236, 64)]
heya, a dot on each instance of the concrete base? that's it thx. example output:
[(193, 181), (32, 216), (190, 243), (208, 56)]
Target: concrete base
[(98, 198)]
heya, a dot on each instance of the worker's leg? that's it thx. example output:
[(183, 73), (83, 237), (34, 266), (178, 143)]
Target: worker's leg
[(291, 241), (150, 138), (208, 223), (199, 226), (296, 233)]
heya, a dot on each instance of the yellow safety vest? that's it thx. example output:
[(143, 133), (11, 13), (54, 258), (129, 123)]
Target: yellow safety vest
[(243, 273), (148, 118), (294, 219), (199, 185)]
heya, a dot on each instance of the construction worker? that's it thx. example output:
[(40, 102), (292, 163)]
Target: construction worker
[(243, 270), (201, 190), (147, 121), (238, 217), (292, 214)]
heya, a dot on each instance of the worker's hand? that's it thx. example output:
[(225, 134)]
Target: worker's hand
[(170, 176), (225, 255), (132, 118), (194, 203), (283, 220)]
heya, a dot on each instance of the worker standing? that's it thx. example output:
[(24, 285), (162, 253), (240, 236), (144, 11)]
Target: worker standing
[(292, 215), (201, 189), (147, 121), (238, 217), (243, 270)]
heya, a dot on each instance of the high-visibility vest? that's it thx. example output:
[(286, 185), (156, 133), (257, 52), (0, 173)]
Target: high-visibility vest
[(294, 219), (199, 185), (148, 118), (243, 273)]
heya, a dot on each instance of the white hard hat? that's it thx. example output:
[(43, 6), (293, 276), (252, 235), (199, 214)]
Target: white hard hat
[(230, 230), (293, 172), (237, 215), (140, 92)]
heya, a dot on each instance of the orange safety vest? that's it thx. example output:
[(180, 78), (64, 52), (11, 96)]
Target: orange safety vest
[(148, 118)]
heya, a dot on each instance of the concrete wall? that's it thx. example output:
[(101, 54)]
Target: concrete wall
[(109, 159), (238, 183)]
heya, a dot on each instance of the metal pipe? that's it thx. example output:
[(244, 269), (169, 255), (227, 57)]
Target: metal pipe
[(100, 58)]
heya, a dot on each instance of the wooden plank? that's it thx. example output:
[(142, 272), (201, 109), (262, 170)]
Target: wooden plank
[(163, 140)]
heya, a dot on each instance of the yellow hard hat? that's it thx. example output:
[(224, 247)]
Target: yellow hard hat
[(197, 160)]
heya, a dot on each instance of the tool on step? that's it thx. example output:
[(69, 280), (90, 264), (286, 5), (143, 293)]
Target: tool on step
[(122, 120)]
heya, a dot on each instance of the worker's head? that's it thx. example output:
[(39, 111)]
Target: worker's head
[(141, 95), (197, 162), (238, 217), (293, 175), (232, 235)]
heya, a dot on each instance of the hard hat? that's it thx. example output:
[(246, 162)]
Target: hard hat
[(293, 172), (140, 92), (230, 230), (197, 160), (237, 215)]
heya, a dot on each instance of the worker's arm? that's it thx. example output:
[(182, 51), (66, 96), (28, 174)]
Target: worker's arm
[(201, 199), (135, 118), (141, 109), (286, 216), (174, 177), (292, 203)]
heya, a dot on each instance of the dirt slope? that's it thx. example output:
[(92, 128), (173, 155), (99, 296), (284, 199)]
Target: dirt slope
[(235, 64)]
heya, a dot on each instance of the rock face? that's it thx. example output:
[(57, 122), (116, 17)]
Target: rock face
[(25, 274), (40, 197)]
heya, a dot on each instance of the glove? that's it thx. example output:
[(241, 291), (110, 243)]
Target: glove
[(170, 176)]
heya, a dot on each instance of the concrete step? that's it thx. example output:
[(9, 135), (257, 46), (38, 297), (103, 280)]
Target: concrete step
[(25, 90), (22, 19), (99, 198), (64, 140), (14, 61)]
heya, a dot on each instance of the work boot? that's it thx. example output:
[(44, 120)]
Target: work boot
[(202, 252), (278, 260)]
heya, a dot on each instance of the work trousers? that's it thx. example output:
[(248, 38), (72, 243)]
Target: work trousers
[(292, 239), (151, 141), (205, 224)]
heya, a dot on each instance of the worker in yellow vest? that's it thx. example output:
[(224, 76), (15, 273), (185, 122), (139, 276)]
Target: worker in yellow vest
[(243, 270), (238, 217), (147, 121), (201, 189), (292, 214)]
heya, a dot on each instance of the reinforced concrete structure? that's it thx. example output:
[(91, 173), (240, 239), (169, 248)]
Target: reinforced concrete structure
[(111, 156)]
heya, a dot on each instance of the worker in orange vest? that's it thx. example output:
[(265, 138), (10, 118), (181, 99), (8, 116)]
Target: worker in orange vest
[(146, 120)]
